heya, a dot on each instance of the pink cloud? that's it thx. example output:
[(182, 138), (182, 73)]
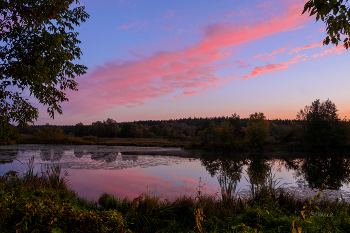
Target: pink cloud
[(279, 50), (139, 24), (256, 56), (227, 79), (169, 14), (231, 13), (265, 4), (240, 62), (134, 82), (227, 34), (168, 27), (296, 59), (296, 50), (265, 69), (244, 66), (190, 93), (334, 50)]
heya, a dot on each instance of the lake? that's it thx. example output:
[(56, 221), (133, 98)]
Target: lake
[(170, 172)]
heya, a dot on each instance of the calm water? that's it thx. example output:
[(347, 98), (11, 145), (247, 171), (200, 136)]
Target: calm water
[(170, 172)]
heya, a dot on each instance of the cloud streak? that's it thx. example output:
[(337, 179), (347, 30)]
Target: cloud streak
[(310, 46), (265, 69), (139, 24), (334, 50)]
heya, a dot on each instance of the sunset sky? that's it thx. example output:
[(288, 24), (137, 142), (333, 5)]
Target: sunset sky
[(159, 60)]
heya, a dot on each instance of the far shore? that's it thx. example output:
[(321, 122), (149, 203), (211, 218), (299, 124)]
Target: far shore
[(91, 140)]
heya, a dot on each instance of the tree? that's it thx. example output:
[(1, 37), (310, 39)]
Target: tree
[(257, 130), (37, 47), (79, 130), (336, 15), (112, 128), (155, 130), (235, 121), (323, 128), (209, 137)]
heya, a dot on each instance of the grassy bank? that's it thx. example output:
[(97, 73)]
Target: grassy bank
[(92, 140), (187, 143), (43, 202)]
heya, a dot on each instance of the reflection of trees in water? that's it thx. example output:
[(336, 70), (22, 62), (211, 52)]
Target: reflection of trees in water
[(228, 177), (258, 170), (7, 156), (130, 157), (104, 156), (79, 153), (258, 167), (45, 154), (222, 165), (51, 154), (228, 172), (331, 170), (107, 156)]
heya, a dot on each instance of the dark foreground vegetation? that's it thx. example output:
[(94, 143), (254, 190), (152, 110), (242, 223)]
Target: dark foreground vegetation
[(42, 202), (316, 127)]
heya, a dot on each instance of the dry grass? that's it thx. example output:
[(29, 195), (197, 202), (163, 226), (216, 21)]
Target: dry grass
[(145, 142), (92, 140)]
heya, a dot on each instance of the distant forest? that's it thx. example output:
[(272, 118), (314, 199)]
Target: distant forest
[(317, 127), (173, 128)]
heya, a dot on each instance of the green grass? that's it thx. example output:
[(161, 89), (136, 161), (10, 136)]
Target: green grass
[(42, 202)]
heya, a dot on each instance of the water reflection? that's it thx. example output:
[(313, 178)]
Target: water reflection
[(258, 170), (52, 155), (79, 153), (7, 156), (141, 166), (130, 157), (221, 164), (315, 171), (104, 156)]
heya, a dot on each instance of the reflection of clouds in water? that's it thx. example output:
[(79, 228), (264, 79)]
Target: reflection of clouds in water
[(95, 157), (125, 183)]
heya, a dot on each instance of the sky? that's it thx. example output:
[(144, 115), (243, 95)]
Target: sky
[(160, 60)]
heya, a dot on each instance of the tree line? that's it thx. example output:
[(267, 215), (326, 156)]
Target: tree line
[(317, 126)]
